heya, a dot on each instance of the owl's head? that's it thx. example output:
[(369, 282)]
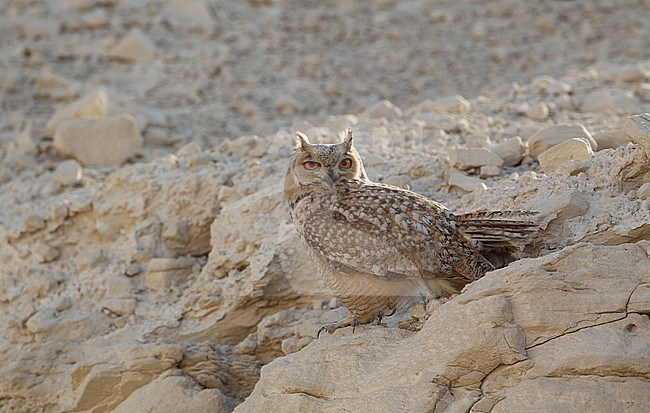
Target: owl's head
[(324, 165)]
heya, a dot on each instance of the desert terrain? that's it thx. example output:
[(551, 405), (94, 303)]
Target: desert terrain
[(148, 262)]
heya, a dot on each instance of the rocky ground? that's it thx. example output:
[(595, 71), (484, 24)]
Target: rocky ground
[(147, 258)]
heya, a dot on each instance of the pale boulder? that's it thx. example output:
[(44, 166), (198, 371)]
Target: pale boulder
[(612, 138), (469, 158), (637, 128), (511, 150), (175, 394), (543, 139), (572, 149), (99, 142), (134, 47)]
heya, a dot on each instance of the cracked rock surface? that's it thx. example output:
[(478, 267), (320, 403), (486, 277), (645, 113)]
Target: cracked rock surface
[(547, 334)]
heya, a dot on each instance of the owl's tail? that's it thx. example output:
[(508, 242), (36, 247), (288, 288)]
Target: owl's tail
[(500, 236)]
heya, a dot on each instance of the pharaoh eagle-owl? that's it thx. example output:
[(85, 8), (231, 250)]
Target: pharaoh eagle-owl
[(379, 246)]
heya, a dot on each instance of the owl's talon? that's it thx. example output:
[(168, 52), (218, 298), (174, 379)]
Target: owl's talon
[(331, 328)]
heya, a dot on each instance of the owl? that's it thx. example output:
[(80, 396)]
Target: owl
[(381, 247)]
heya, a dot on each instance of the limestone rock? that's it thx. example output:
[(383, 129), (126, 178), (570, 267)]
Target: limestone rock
[(93, 104), (610, 100), (468, 158), (99, 141), (449, 104), (190, 14), (638, 129), (466, 183), (511, 150), (134, 47), (529, 354), (383, 109), (572, 149), (174, 394), (628, 73), (543, 139), (68, 172), (612, 138), (644, 191), (163, 273), (478, 141), (643, 90)]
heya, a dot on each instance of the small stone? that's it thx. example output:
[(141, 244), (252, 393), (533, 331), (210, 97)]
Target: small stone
[(572, 149), (511, 150), (46, 253), (466, 183), (32, 223), (119, 286), (49, 85), (448, 104), (612, 138), (132, 270), (644, 191), (25, 142), (193, 15), (543, 139), (46, 27), (134, 47), (99, 141), (539, 111), (610, 100), (120, 306), (637, 127), (93, 104), (68, 173), (628, 73), (572, 167), (163, 273), (383, 109), (468, 158), (94, 20), (477, 141), (559, 87), (159, 136), (57, 213), (490, 170), (189, 150), (643, 91)]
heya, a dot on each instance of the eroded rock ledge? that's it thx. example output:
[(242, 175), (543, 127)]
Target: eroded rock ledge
[(565, 332)]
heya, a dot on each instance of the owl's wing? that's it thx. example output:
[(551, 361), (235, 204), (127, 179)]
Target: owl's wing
[(392, 233)]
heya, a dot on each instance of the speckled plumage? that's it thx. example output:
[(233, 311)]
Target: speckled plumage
[(377, 245)]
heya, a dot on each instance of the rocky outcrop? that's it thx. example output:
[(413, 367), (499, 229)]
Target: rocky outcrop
[(556, 333)]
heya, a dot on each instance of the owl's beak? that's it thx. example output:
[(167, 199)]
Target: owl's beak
[(333, 177)]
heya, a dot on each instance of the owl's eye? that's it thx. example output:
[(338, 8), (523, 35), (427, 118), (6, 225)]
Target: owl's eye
[(311, 165), (345, 163)]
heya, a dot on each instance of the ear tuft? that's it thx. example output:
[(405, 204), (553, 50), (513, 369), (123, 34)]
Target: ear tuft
[(302, 141), (347, 139)]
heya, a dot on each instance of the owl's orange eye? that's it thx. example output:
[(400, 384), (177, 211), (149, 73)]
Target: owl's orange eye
[(311, 165), (345, 163)]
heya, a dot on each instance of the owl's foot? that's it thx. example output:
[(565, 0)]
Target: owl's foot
[(346, 322)]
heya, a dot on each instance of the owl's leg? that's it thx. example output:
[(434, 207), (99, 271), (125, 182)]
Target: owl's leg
[(346, 322)]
